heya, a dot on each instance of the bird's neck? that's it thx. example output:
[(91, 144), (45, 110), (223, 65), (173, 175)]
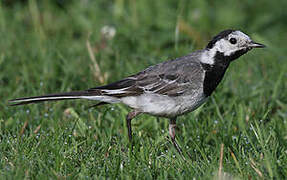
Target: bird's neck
[(214, 71)]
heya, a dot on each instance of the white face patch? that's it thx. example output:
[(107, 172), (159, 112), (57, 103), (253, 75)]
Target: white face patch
[(227, 48), (241, 34)]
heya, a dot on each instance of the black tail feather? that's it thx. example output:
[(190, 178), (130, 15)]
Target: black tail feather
[(49, 97)]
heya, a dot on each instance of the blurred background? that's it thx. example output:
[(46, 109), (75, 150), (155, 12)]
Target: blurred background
[(62, 45)]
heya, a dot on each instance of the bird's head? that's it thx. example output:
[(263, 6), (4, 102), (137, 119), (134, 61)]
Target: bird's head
[(232, 44)]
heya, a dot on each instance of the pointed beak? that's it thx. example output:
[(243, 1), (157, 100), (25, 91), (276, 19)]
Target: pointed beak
[(253, 44)]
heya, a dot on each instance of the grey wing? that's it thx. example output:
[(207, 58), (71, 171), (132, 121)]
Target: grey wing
[(172, 79)]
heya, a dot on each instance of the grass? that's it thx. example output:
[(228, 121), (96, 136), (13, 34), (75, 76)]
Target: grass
[(52, 47)]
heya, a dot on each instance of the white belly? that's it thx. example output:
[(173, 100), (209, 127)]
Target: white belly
[(162, 105)]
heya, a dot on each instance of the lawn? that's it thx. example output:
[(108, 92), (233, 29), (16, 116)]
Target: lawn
[(61, 45)]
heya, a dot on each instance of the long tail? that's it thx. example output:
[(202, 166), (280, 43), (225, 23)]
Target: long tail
[(53, 97)]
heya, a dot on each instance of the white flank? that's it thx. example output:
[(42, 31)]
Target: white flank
[(151, 103)]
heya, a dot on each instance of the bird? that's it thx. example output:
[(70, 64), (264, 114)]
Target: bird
[(169, 89)]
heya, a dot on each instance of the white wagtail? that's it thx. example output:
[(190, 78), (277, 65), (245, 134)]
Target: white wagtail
[(168, 89)]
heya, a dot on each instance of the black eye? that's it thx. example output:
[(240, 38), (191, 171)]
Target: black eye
[(232, 40)]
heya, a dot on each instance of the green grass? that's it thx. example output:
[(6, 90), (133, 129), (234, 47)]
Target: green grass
[(43, 49)]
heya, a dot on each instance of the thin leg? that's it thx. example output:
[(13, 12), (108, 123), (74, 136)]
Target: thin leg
[(172, 126), (129, 118)]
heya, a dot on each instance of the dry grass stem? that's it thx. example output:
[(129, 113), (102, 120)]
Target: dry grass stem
[(220, 161), (98, 75)]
